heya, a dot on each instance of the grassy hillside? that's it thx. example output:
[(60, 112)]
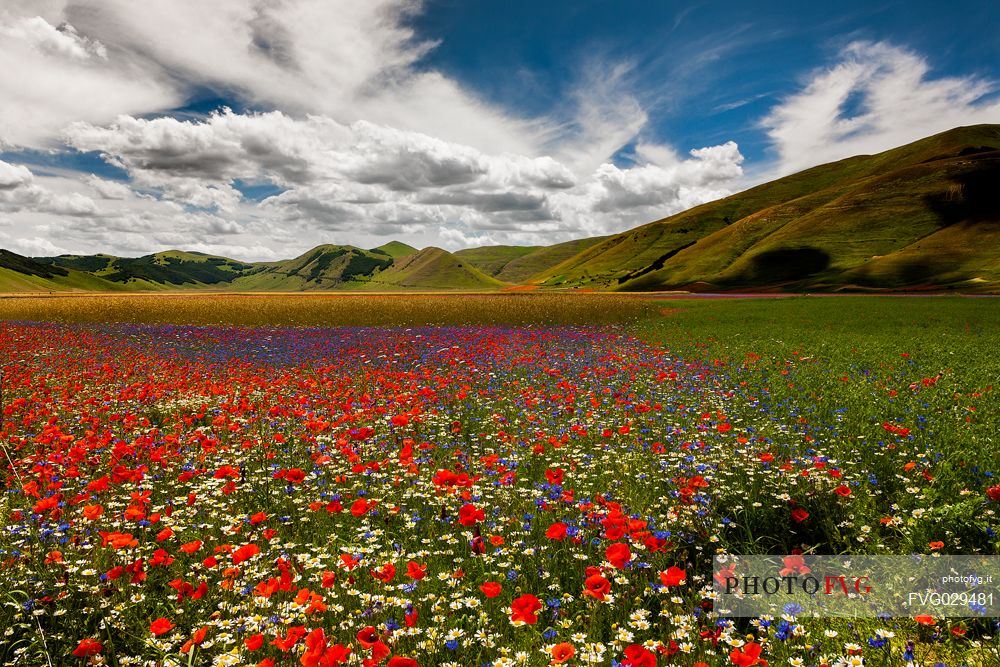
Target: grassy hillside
[(23, 274), (432, 269), (323, 267), (162, 270), (905, 218), (395, 249), (492, 259), (521, 264)]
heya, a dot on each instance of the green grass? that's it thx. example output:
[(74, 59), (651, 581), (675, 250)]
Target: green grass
[(842, 366), (73, 281), (431, 269), (395, 249), (523, 264), (855, 215), (491, 260), (324, 267)]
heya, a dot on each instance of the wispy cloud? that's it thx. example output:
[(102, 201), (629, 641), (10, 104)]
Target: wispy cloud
[(875, 97)]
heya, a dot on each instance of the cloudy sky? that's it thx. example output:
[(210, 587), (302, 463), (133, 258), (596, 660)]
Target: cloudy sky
[(257, 129)]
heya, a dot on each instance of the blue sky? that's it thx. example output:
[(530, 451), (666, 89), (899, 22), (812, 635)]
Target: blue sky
[(256, 129), (711, 70)]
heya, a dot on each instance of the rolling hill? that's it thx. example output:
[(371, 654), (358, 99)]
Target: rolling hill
[(520, 264), (925, 216), (323, 267), (23, 274), (432, 269), (395, 249), (171, 269)]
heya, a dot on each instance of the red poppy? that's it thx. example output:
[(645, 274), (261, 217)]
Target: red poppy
[(747, 656), (292, 636), (191, 547), (993, 493), (386, 574), (160, 626), (491, 589), (367, 637), (87, 648), (639, 656), (254, 642), (525, 609), (674, 576), (416, 571), (799, 515), (618, 554), (556, 531), (315, 646), (562, 652), (596, 586), (359, 507), (244, 553), (400, 661), (842, 490), (554, 476), (470, 515)]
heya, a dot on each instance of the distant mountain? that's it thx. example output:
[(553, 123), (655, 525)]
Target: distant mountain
[(925, 216), (432, 269)]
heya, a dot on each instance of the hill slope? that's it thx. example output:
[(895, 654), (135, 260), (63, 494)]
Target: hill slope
[(170, 269), (323, 267), (432, 269), (920, 216), (23, 274), (395, 249), (520, 264)]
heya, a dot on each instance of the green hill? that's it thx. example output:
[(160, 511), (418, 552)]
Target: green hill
[(520, 264), (920, 216), (170, 269), (531, 268), (323, 267), (23, 274), (395, 249), (492, 259), (432, 269)]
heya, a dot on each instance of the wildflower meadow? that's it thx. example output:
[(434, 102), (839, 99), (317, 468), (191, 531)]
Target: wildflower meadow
[(489, 493)]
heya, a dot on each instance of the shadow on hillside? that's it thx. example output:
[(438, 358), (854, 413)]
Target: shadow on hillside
[(972, 198), (788, 264)]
